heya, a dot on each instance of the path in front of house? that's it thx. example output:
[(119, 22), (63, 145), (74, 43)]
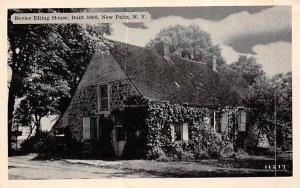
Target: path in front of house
[(22, 167)]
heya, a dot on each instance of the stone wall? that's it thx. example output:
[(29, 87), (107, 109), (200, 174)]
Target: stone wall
[(83, 104), (119, 91)]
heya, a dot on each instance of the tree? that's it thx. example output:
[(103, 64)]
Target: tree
[(265, 97), (47, 61), (248, 68), (270, 104), (22, 115), (188, 41)]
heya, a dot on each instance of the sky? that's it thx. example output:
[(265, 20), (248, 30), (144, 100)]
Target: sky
[(263, 32)]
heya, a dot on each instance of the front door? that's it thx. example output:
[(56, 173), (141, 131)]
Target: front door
[(121, 140), (105, 130)]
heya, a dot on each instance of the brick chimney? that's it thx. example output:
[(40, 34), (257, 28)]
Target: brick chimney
[(166, 51), (163, 49), (212, 62)]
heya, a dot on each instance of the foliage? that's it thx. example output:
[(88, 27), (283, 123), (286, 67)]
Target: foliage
[(162, 115), (188, 41), (268, 97), (248, 68), (265, 97), (136, 132), (271, 150), (23, 114), (237, 84), (36, 144), (47, 61), (155, 138), (227, 151)]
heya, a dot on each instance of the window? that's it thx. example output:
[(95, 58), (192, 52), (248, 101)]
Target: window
[(102, 97), (180, 132), (94, 130), (217, 121)]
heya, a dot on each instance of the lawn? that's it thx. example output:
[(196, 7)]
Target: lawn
[(250, 166)]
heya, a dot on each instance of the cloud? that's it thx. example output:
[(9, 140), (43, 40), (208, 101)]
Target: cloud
[(215, 13), (230, 54), (140, 37), (275, 57), (245, 42), (269, 20), (229, 33)]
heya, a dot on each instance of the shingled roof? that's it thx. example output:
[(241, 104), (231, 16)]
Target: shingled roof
[(172, 79), (176, 79)]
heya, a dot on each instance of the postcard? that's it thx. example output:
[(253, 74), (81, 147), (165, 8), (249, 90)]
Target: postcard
[(189, 93)]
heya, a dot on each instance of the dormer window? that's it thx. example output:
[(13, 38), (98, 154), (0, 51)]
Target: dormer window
[(103, 98)]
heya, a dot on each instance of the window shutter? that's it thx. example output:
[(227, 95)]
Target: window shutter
[(242, 121), (185, 132), (224, 121), (172, 132), (86, 131)]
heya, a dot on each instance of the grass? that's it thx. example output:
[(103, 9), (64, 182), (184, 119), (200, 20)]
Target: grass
[(251, 166)]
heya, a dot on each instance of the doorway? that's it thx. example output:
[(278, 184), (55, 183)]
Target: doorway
[(121, 140)]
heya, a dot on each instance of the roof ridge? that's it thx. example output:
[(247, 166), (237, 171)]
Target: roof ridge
[(189, 60), (173, 55)]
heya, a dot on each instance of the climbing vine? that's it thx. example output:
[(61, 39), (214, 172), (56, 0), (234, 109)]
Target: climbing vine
[(157, 135)]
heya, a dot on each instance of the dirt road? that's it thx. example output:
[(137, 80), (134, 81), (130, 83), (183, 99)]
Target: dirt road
[(22, 168)]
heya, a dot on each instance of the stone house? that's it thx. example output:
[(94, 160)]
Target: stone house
[(95, 116)]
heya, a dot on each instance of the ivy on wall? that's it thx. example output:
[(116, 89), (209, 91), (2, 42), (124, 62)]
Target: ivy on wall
[(152, 133), (231, 133)]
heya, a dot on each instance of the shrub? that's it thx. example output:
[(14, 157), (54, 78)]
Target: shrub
[(201, 154), (271, 150), (180, 151), (29, 146), (214, 154), (241, 153), (156, 153), (209, 144), (227, 151), (154, 122), (287, 147), (187, 156), (37, 144)]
